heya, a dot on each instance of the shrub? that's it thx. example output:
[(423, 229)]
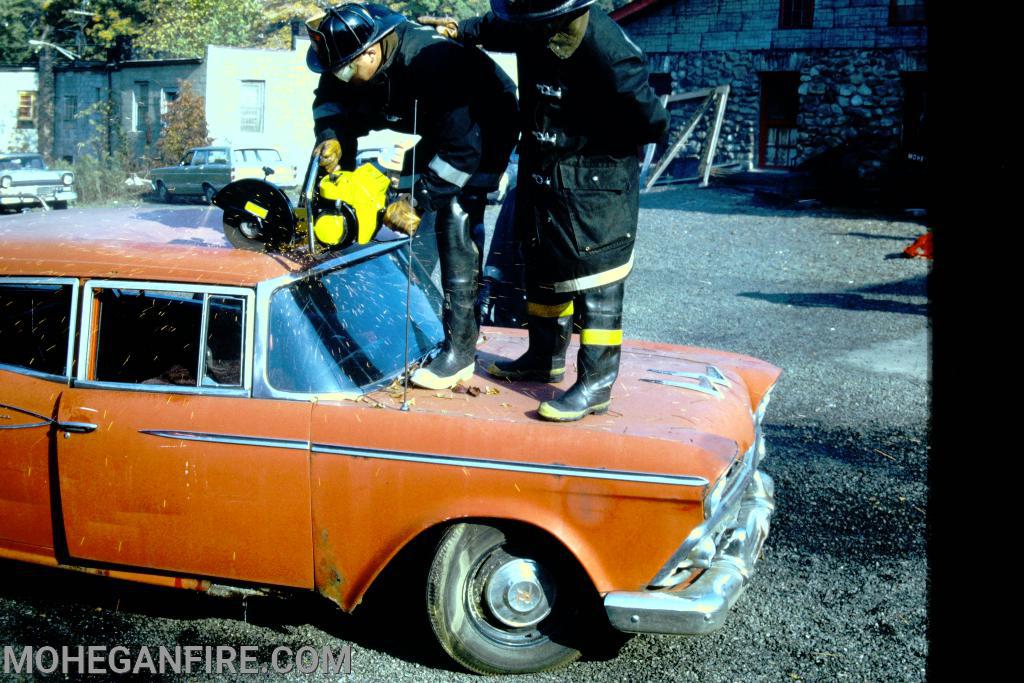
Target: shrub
[(184, 126)]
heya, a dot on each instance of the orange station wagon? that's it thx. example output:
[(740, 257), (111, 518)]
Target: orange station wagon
[(183, 413)]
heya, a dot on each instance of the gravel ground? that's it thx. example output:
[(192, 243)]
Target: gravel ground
[(841, 590)]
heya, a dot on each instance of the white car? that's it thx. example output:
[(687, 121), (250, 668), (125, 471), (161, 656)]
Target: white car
[(26, 181)]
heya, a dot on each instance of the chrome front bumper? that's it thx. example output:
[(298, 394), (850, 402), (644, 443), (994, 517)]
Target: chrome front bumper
[(702, 606)]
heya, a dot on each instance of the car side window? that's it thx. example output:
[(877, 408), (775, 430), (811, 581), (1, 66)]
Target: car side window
[(218, 156), (187, 159), (35, 324), (199, 158), (168, 337)]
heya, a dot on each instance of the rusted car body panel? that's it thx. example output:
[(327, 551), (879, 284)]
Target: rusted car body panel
[(321, 492)]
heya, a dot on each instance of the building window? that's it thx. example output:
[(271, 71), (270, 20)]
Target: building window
[(780, 104), (26, 109), (167, 95), (140, 107), (796, 14), (70, 107), (906, 12), (251, 106)]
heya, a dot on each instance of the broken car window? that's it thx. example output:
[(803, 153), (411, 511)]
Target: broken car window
[(34, 324), (344, 331)]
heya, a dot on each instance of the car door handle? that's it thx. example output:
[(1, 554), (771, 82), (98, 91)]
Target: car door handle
[(76, 427)]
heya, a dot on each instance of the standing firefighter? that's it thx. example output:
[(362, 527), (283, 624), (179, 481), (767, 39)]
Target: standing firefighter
[(380, 71), (586, 107)]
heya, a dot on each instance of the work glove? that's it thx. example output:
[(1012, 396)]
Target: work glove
[(401, 217), (446, 26), (330, 154)]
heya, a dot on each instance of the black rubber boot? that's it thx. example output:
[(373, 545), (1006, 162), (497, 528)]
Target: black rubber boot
[(544, 360), (598, 359), (456, 359)]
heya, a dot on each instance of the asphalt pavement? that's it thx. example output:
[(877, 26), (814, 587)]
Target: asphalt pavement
[(841, 590)]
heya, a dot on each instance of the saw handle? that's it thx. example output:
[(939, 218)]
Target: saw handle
[(306, 200)]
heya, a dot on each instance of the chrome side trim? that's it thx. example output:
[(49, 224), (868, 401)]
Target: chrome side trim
[(232, 439), (433, 459), (46, 422), (513, 466)]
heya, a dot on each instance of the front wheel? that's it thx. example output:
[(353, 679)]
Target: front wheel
[(503, 604), (162, 193)]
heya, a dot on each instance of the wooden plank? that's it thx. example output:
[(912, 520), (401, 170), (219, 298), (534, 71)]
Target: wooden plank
[(690, 95), (708, 157), (671, 154)]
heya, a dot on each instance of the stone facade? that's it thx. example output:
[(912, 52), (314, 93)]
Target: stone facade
[(850, 63), (96, 102)]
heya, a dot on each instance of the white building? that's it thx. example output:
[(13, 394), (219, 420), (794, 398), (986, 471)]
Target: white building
[(262, 98), (18, 88)]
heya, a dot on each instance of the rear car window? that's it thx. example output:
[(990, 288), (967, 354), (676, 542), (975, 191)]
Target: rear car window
[(179, 338), (34, 326)]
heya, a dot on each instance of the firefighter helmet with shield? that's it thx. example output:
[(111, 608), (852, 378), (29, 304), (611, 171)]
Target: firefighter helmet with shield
[(526, 11), (344, 32)]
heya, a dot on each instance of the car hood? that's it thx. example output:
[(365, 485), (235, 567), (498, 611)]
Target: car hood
[(34, 176), (651, 426)]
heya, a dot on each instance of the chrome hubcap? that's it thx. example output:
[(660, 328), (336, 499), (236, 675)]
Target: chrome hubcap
[(520, 593)]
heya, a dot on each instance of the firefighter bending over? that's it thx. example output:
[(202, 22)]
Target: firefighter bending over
[(374, 66)]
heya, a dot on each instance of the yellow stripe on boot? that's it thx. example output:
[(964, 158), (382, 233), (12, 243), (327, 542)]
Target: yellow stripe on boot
[(549, 310), (595, 337)]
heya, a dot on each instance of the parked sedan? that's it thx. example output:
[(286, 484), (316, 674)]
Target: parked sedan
[(179, 412), (25, 181), (203, 171)]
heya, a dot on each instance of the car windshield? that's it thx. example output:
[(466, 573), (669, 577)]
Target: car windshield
[(344, 330), (19, 163)]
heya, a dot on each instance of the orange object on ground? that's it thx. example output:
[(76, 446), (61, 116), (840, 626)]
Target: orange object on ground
[(921, 248)]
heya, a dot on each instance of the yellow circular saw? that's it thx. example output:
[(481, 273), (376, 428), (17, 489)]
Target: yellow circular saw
[(344, 207)]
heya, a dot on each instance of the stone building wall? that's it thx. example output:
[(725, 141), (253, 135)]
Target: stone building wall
[(850, 64), (100, 114)]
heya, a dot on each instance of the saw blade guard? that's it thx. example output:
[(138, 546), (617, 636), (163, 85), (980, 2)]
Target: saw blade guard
[(258, 216)]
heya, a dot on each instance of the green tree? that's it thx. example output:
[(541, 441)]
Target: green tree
[(183, 28), (461, 9), (277, 17), (18, 22), (184, 125)]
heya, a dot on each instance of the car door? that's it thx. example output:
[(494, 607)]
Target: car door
[(194, 174), (217, 172), (36, 319), (178, 468)]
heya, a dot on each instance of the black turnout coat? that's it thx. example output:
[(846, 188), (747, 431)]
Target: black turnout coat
[(581, 120), (466, 111)]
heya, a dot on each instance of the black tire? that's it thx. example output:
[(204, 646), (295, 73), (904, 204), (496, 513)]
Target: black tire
[(470, 629), (208, 193), (60, 205), (162, 194)]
